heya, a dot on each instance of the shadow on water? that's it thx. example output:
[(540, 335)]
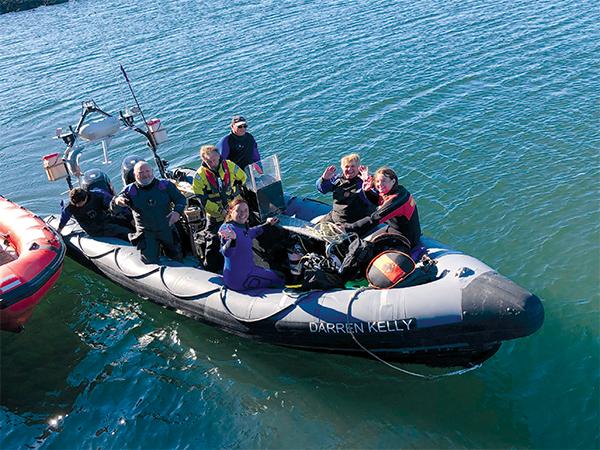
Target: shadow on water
[(337, 393), (115, 364), (255, 394)]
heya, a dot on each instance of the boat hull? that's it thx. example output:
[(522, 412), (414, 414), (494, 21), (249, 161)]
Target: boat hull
[(459, 319)]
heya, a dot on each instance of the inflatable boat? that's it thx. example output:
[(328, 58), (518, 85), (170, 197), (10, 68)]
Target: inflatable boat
[(458, 317), (453, 310), (31, 258)]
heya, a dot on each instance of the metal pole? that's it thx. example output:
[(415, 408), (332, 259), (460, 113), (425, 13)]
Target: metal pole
[(148, 134)]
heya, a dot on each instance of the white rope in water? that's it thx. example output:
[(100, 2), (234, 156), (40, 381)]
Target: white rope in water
[(393, 366)]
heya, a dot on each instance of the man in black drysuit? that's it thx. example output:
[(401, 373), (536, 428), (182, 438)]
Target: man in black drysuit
[(156, 206), (91, 210)]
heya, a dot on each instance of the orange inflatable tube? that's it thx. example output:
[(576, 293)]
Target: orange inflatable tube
[(28, 275)]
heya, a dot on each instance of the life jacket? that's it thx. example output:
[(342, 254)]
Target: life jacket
[(212, 180)]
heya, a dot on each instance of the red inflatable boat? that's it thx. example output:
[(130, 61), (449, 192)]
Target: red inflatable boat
[(31, 258)]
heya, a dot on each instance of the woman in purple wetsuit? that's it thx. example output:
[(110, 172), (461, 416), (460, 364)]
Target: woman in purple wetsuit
[(240, 273)]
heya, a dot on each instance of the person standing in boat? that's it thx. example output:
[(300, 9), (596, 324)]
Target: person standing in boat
[(397, 208), (92, 212), (239, 146), (216, 182), (156, 205), (349, 200), (239, 271)]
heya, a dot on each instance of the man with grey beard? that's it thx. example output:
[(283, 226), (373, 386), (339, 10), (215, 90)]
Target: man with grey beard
[(156, 206)]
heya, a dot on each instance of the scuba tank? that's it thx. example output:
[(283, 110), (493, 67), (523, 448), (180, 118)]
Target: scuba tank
[(127, 168)]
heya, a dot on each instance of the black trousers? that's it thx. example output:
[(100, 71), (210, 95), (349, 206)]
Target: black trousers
[(112, 229), (150, 242), (213, 259)]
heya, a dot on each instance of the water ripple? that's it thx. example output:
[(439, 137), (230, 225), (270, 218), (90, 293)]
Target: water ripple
[(487, 110)]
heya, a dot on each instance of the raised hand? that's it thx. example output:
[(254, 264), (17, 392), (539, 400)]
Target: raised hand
[(363, 173), (227, 233), (329, 173), (272, 221)]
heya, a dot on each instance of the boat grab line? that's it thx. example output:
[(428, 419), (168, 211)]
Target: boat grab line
[(298, 299), (184, 297), (134, 277), (88, 255), (393, 366)]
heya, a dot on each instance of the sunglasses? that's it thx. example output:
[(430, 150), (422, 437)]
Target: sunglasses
[(242, 126)]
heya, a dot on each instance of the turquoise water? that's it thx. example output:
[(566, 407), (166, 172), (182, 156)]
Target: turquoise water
[(488, 110)]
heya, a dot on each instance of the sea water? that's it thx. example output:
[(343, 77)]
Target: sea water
[(489, 112)]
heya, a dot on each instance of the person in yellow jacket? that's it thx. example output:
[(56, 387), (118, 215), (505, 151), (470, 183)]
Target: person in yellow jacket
[(216, 183)]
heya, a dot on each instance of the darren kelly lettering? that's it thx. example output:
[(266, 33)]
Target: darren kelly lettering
[(381, 326)]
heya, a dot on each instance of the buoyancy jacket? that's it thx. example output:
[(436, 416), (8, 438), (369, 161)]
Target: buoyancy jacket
[(349, 201), (398, 209), (216, 188), (241, 150), (152, 204)]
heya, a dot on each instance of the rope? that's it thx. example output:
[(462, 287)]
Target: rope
[(408, 372), (328, 231), (299, 298)]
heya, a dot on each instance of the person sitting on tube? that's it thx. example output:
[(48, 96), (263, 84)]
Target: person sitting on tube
[(397, 208), (239, 272), (92, 212), (156, 205), (349, 200)]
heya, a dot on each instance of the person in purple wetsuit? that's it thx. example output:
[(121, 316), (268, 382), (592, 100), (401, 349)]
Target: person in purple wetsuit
[(239, 146), (239, 272)]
